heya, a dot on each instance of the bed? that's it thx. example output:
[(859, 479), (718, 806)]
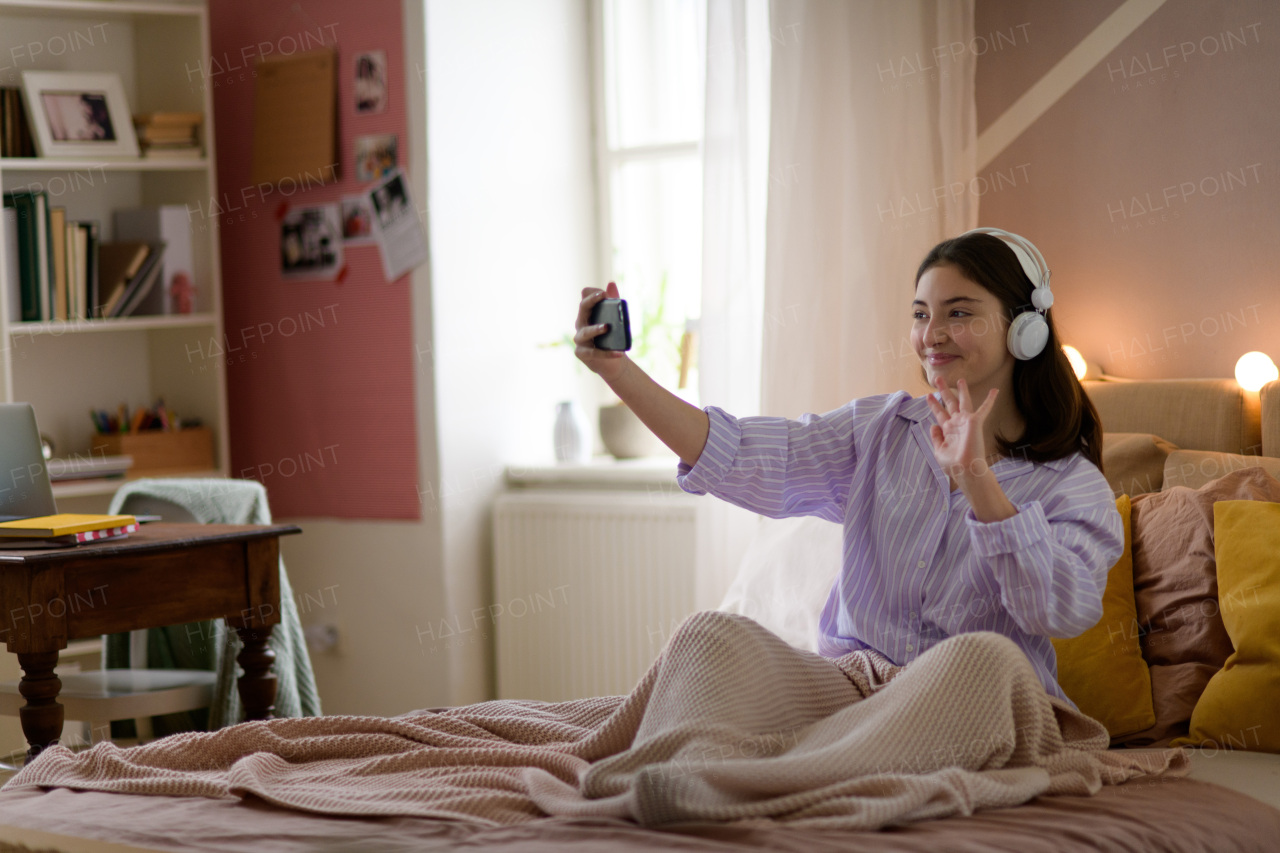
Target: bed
[(1169, 445)]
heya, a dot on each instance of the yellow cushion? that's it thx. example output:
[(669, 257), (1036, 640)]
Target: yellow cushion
[(1102, 670), (1238, 709)]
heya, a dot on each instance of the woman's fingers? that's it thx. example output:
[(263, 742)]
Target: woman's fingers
[(586, 335), (987, 404), (963, 401), (939, 412), (590, 296)]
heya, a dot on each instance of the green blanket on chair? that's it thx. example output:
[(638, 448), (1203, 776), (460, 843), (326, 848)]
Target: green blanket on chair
[(209, 645)]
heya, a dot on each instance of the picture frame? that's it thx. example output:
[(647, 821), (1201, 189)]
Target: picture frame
[(79, 114)]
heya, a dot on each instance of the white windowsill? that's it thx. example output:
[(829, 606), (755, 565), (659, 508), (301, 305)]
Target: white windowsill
[(601, 472)]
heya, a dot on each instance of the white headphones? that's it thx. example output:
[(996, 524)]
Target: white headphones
[(1029, 331)]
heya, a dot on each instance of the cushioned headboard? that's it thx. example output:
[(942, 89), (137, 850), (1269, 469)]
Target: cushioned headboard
[(1199, 414), (1271, 419)]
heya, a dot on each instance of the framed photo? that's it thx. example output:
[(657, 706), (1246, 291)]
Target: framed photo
[(74, 114)]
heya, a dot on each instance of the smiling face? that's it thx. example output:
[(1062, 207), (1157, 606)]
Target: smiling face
[(958, 331)]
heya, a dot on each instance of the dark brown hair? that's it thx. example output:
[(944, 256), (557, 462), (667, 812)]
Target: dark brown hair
[(1060, 419)]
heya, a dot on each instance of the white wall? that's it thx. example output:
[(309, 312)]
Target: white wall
[(512, 219)]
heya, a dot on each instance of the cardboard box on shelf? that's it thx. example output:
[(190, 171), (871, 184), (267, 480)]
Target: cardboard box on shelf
[(160, 451)]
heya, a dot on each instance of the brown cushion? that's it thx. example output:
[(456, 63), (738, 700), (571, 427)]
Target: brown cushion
[(1194, 468), (1176, 593), (1134, 462)]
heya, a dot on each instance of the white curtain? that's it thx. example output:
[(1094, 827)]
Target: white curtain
[(868, 110), (872, 146), (735, 174)]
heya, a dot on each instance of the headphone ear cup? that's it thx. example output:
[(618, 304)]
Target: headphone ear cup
[(1028, 334)]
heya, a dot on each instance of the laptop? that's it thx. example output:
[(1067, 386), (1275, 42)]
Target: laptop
[(25, 490)]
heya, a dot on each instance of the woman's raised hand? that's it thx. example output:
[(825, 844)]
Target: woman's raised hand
[(958, 437), (608, 364)]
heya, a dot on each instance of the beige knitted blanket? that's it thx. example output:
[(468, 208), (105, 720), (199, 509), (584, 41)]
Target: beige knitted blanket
[(729, 723)]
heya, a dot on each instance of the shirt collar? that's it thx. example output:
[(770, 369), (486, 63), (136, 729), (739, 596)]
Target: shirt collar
[(916, 410)]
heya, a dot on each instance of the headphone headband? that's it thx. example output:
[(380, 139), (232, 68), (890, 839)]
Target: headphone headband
[(1028, 332), (1029, 257)]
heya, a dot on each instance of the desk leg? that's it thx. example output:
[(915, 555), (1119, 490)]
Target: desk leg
[(257, 685), (42, 715)]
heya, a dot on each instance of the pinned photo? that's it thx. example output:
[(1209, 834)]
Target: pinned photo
[(375, 156), (398, 230), (357, 220), (371, 81), (311, 243)]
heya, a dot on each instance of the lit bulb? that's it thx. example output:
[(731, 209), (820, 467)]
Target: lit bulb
[(1255, 369), (1078, 363)]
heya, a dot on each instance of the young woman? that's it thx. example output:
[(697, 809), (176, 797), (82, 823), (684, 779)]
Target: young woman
[(980, 507)]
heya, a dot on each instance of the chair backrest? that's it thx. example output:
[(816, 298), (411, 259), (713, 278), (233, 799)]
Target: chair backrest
[(147, 505)]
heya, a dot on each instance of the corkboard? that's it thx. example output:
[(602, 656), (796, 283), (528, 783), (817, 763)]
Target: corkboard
[(294, 117)]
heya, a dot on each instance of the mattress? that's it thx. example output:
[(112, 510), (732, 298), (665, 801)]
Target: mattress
[(1230, 801)]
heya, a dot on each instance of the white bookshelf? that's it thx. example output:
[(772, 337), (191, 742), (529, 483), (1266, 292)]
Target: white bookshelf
[(161, 51)]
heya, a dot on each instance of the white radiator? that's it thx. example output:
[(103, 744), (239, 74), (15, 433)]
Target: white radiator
[(587, 587)]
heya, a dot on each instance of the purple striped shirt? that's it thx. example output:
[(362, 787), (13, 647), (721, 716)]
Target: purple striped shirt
[(917, 566)]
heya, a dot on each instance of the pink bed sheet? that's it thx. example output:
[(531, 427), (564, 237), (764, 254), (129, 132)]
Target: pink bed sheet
[(1160, 815)]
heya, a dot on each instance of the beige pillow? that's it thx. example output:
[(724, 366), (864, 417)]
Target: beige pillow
[(1134, 462), (1194, 468)]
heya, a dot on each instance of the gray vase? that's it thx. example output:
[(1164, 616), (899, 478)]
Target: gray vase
[(625, 435)]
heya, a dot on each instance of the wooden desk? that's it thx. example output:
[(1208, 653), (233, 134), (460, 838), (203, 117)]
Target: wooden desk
[(164, 574)]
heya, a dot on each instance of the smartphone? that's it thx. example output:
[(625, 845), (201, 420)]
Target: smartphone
[(613, 312)]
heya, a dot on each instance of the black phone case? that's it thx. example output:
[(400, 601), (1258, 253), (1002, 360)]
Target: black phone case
[(613, 312)]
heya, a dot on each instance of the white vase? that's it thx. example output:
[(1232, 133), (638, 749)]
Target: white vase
[(572, 433)]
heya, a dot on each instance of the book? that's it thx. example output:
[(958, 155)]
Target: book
[(189, 152), (63, 524), (12, 270), (24, 205), (15, 136), (142, 283), (118, 263), (44, 254), (14, 543), (92, 262), (167, 133), (87, 467), (171, 225), (58, 249), (75, 271), (168, 118)]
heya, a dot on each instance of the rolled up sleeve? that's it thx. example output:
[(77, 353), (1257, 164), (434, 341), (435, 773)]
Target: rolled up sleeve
[(1051, 568)]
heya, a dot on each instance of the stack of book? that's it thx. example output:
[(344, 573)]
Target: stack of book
[(52, 260), (15, 136), (170, 136), (57, 531)]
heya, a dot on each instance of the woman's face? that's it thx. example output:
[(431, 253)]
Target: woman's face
[(958, 331)]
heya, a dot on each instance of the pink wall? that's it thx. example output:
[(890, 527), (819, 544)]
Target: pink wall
[(1151, 186), (320, 375)]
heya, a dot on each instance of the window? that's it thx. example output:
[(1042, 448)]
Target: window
[(649, 69)]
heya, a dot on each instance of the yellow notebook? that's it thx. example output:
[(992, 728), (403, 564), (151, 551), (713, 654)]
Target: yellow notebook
[(63, 524)]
